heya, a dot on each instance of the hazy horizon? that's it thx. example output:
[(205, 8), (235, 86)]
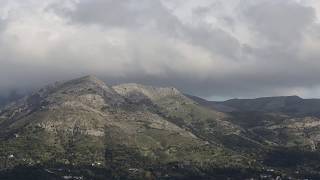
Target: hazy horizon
[(16, 93)]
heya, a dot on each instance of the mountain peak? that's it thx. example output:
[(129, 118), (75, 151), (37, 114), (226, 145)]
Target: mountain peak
[(85, 82), (89, 78)]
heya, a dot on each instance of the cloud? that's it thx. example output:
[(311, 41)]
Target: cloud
[(128, 14), (228, 48), (274, 22)]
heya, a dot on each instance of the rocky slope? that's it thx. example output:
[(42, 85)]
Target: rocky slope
[(289, 125), (130, 127), (286, 121), (85, 129)]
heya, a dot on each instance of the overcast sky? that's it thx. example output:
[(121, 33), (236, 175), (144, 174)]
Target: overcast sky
[(211, 48)]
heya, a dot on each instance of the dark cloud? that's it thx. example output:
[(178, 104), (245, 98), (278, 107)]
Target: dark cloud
[(215, 40), (228, 48), (153, 17), (132, 14)]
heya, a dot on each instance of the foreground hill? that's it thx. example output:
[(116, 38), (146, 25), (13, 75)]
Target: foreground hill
[(127, 129), (85, 129)]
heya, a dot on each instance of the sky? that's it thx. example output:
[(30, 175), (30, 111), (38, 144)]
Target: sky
[(216, 49)]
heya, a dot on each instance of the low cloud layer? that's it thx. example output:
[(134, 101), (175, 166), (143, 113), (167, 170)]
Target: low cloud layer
[(214, 49)]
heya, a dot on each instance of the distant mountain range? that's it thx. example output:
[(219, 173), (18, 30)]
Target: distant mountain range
[(291, 105), (85, 129)]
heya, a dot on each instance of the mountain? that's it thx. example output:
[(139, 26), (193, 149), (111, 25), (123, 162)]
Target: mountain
[(288, 122), (285, 120), (291, 105), (85, 129), (84, 122)]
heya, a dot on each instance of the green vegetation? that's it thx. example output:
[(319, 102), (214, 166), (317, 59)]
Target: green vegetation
[(83, 129)]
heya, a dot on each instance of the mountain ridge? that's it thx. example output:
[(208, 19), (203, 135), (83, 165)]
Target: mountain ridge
[(152, 130), (285, 104), (77, 122)]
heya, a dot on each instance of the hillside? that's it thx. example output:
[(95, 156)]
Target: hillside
[(289, 123), (85, 129), (84, 122), (286, 120)]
